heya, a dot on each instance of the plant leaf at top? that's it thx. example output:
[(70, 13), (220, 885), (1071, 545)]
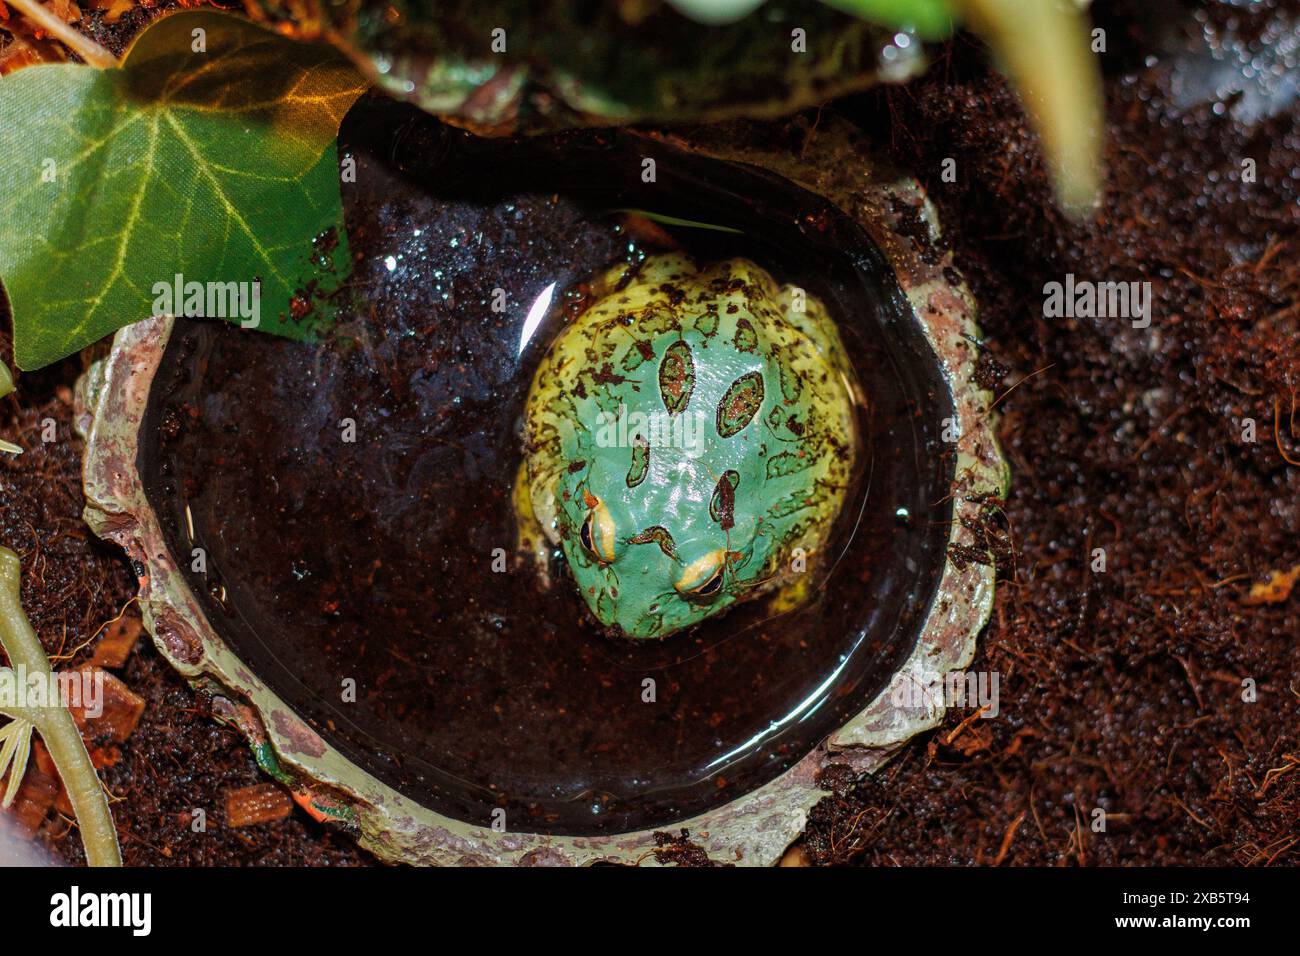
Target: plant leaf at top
[(209, 153), (932, 19), (506, 67)]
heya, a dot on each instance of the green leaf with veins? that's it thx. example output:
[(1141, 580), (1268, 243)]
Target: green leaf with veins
[(218, 164)]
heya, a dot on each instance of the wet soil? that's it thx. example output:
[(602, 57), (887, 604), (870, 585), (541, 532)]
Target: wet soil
[(1120, 691)]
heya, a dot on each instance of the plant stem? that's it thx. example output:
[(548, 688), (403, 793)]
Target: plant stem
[(83, 46), (1045, 50), (55, 724), (7, 387)]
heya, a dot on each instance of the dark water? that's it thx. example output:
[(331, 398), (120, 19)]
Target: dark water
[(372, 561)]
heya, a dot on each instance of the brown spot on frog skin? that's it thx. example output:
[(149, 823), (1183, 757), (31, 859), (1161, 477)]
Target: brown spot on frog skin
[(722, 507), (607, 376), (657, 535), (745, 339), (677, 377)]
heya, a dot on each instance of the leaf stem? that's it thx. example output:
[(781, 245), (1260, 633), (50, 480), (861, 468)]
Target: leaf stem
[(55, 724), (6, 388), (1045, 51), (82, 45)]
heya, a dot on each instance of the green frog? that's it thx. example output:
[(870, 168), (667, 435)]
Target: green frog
[(689, 440)]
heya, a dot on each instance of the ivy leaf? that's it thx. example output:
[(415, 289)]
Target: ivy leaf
[(209, 153)]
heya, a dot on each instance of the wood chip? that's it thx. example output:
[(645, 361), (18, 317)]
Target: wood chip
[(41, 788), (795, 856), (1275, 590), (121, 709), (114, 647), (65, 10), (259, 803), (44, 765), (115, 8), (35, 797)]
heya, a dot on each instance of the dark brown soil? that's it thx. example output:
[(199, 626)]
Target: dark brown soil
[(1120, 691)]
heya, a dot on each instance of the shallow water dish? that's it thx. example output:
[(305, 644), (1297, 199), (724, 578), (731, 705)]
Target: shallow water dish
[(493, 722)]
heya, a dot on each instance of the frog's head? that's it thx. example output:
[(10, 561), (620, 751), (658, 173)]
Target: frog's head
[(687, 433), (666, 500)]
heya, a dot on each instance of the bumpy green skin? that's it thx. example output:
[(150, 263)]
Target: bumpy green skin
[(645, 406)]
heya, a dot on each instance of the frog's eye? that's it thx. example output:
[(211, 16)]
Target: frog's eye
[(703, 576), (711, 586), (597, 532)]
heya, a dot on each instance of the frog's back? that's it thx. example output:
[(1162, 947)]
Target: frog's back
[(700, 409)]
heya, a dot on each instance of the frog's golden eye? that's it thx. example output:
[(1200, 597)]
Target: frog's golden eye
[(711, 586), (597, 531), (703, 576)]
